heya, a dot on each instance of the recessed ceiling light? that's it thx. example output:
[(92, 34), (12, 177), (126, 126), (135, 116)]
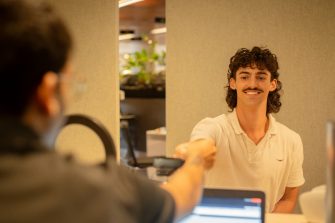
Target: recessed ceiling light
[(123, 3), (126, 36), (158, 30)]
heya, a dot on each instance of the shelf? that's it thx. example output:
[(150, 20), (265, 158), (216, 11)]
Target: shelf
[(144, 93)]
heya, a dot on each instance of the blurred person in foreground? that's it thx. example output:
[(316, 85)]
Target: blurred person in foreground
[(39, 185)]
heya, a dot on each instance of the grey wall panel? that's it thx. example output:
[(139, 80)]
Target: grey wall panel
[(94, 25)]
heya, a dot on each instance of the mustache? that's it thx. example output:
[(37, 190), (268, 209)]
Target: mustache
[(252, 89)]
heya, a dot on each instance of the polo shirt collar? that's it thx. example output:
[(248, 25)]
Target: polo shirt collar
[(235, 123), (238, 130), (272, 125)]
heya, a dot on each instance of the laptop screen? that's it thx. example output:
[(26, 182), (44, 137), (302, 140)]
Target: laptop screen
[(228, 206)]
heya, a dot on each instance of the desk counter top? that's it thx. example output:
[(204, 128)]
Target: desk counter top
[(285, 218)]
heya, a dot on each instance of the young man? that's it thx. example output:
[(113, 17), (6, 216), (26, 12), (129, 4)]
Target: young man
[(254, 150), (37, 184)]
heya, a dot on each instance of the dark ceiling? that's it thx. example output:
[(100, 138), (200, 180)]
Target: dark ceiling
[(140, 16)]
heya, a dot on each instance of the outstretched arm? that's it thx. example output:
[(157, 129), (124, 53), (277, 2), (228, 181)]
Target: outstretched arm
[(186, 184)]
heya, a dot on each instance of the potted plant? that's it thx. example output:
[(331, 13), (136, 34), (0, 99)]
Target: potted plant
[(138, 72)]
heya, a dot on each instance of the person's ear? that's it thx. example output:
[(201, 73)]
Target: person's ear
[(47, 94), (273, 85), (232, 83)]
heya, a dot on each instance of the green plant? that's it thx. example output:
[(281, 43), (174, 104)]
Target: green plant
[(142, 64)]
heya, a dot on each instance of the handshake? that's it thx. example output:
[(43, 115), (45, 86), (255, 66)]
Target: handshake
[(198, 152)]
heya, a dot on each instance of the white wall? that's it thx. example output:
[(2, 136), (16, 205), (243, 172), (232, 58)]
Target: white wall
[(94, 25), (203, 35)]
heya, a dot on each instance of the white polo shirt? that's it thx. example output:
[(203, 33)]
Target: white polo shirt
[(272, 165)]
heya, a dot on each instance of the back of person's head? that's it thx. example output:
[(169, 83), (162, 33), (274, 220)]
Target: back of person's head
[(261, 58), (33, 41)]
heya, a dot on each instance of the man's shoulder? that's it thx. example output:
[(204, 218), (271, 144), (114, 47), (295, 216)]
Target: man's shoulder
[(57, 170), (53, 172), (68, 169), (104, 182), (210, 122), (219, 123), (62, 179), (287, 132), (220, 119)]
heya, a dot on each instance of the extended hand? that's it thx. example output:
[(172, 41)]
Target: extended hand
[(202, 150)]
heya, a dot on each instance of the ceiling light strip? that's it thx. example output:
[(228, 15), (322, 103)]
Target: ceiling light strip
[(126, 36), (123, 3), (159, 30)]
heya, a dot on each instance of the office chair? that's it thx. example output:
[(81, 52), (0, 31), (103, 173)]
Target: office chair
[(164, 165), (97, 127)]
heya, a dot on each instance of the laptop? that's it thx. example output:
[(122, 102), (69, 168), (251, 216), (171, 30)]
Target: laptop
[(228, 206)]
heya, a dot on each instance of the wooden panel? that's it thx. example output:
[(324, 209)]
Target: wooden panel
[(141, 16)]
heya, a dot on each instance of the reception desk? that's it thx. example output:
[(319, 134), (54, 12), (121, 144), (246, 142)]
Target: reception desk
[(285, 218)]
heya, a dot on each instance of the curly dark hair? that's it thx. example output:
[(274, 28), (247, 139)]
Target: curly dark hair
[(263, 59)]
